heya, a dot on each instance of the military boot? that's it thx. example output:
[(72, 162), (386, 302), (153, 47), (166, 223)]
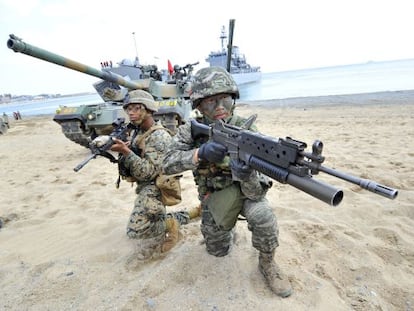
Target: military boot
[(194, 212), (275, 279), (171, 234)]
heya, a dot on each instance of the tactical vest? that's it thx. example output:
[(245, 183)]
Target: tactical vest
[(169, 185), (210, 177)]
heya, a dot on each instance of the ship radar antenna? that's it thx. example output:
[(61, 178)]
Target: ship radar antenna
[(223, 37)]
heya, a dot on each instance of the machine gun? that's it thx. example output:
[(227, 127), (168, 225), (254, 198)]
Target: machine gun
[(183, 74), (284, 160), (188, 69), (119, 132)]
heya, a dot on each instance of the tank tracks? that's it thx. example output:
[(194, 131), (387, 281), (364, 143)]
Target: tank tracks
[(73, 130)]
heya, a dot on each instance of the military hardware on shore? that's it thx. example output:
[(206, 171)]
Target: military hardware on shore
[(4, 123), (83, 123)]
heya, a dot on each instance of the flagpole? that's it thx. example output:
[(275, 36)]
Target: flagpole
[(135, 43)]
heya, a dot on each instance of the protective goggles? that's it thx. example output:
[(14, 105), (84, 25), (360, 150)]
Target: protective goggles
[(133, 108)]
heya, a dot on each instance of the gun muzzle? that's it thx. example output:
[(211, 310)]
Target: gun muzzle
[(372, 186), (366, 184)]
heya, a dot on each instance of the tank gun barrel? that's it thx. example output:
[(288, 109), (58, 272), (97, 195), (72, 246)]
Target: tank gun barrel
[(17, 45)]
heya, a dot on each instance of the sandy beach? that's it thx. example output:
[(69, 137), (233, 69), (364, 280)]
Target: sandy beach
[(63, 244)]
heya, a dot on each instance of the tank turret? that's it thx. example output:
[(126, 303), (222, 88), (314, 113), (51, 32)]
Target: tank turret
[(83, 123)]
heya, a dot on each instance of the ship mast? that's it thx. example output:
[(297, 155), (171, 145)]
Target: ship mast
[(230, 45)]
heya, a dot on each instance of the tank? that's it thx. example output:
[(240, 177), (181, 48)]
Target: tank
[(81, 124)]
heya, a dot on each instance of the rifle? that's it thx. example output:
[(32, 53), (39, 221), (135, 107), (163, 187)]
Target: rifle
[(119, 132), (284, 160)]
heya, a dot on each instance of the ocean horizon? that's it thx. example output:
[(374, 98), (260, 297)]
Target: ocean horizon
[(370, 77)]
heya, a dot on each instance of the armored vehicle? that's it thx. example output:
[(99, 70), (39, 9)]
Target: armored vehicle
[(4, 123), (83, 123), (3, 126)]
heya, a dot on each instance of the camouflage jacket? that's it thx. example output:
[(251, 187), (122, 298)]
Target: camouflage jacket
[(146, 165), (209, 176)]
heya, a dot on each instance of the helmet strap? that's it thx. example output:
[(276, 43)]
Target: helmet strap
[(148, 121), (233, 107)]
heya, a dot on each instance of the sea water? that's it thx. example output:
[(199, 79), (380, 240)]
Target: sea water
[(340, 80)]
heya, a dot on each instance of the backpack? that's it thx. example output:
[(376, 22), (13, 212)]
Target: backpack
[(169, 185)]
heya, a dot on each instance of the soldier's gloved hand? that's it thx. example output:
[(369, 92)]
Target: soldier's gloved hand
[(240, 170), (100, 140), (212, 152)]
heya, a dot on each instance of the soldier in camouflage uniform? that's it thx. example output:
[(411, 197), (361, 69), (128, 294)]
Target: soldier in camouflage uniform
[(156, 230), (226, 188)]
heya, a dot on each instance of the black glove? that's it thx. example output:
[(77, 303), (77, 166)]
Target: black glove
[(212, 152), (240, 171)]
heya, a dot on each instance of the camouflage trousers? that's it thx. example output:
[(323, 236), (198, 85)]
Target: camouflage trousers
[(147, 220), (261, 221)]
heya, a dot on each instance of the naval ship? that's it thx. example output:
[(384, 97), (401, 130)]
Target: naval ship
[(241, 71)]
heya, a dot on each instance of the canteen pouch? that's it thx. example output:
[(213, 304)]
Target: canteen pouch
[(225, 206), (170, 188)]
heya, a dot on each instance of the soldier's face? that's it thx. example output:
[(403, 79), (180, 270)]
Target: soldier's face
[(136, 113), (216, 107)]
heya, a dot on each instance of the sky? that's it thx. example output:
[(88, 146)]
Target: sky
[(277, 35)]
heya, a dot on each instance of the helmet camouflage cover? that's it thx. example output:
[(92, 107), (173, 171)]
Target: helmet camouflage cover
[(210, 81), (141, 97)]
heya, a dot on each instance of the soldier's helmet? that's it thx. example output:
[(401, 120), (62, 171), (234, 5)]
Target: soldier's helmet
[(211, 81), (177, 68), (141, 97)]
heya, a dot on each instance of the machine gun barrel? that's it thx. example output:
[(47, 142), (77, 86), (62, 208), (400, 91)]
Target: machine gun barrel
[(366, 184), (17, 45)]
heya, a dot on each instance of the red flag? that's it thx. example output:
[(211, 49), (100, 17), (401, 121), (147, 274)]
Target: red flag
[(170, 68)]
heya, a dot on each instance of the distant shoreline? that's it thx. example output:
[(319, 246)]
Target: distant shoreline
[(35, 98), (404, 97)]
